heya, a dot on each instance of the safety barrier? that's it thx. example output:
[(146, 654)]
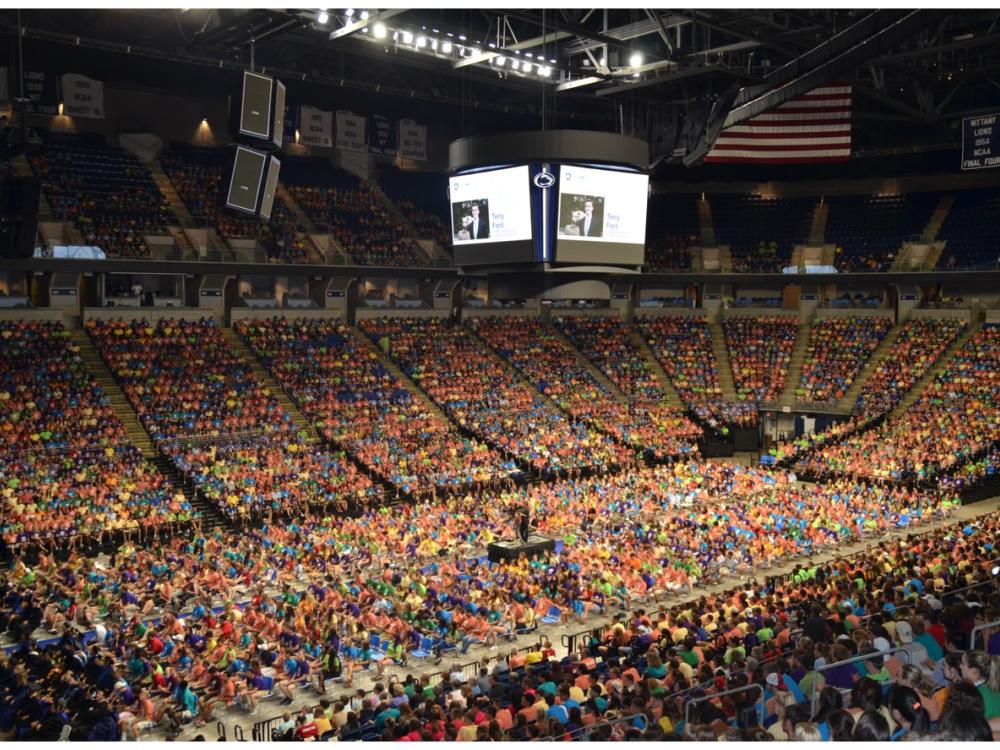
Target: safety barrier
[(979, 629), (732, 691)]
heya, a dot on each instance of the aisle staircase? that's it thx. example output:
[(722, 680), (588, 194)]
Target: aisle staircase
[(726, 380), (920, 386), (937, 219), (706, 223), (589, 366), (245, 353), (211, 517), (671, 397), (399, 217), (119, 402), (795, 363), (817, 230), (415, 391), (170, 193), (878, 356)]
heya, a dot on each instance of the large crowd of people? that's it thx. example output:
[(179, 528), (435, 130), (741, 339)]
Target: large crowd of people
[(105, 193), (760, 349), (341, 386), (482, 394), (838, 349), (201, 177), (548, 362), (954, 420), (683, 347), (66, 465), (361, 222)]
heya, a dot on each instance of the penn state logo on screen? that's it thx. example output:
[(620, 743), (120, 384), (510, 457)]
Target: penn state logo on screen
[(544, 180)]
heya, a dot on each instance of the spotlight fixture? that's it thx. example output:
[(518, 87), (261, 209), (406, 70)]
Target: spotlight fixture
[(323, 16), (380, 30), (635, 60)]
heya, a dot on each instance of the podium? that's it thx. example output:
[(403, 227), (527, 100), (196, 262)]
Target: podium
[(511, 549)]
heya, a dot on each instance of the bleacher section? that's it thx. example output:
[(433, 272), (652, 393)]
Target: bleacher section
[(969, 244), (355, 215), (422, 197), (672, 228), (761, 231), (201, 178), (104, 191), (760, 349), (838, 349), (869, 230)]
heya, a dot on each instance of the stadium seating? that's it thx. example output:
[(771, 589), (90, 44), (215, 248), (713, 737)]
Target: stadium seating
[(546, 361), (605, 342), (201, 178), (869, 230), (672, 228), (951, 423), (340, 204), (838, 349), (66, 465), (355, 402), (103, 191), (421, 196), (480, 394), (760, 349), (761, 231), (683, 347), (967, 245)]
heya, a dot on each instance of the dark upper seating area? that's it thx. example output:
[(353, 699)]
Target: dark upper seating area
[(104, 191), (761, 231), (969, 246), (423, 199), (356, 216), (870, 229), (672, 228), (201, 178)]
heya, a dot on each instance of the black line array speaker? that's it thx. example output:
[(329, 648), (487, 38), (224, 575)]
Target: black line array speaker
[(246, 180), (18, 216)]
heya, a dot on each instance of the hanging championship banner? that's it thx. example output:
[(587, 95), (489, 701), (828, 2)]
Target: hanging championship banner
[(82, 97), (381, 136), (350, 132), (412, 140), (40, 89), (315, 127)]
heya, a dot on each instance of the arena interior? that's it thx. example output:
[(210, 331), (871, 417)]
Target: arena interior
[(418, 374)]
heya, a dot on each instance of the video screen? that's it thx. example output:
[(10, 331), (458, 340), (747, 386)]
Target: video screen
[(490, 209), (601, 215)]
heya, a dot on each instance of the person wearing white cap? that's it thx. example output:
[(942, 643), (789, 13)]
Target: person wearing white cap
[(917, 652)]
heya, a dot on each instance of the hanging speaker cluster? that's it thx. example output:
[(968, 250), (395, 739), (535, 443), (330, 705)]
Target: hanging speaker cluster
[(256, 166)]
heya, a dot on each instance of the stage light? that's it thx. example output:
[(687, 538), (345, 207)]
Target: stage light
[(501, 60), (461, 37), (635, 60), (407, 37), (544, 71), (421, 42), (323, 17), (380, 30), (446, 48), (349, 12), (364, 15), (514, 64)]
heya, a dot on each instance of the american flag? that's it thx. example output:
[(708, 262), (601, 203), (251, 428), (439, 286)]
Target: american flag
[(814, 127)]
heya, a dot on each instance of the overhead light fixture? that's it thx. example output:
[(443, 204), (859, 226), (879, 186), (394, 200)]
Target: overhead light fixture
[(544, 71), (380, 30), (461, 37), (407, 37), (349, 12), (635, 60), (364, 15), (501, 60), (323, 16), (446, 48), (603, 61), (421, 42), (514, 64)]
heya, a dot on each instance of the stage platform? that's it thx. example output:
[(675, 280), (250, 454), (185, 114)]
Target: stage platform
[(510, 549)]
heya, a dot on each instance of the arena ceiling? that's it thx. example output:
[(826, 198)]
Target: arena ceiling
[(914, 73)]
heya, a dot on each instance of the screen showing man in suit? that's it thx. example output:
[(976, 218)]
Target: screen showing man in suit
[(490, 205), (581, 215), (472, 218)]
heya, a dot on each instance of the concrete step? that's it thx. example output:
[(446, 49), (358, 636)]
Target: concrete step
[(671, 397), (795, 365), (288, 404), (727, 382), (878, 356), (590, 366), (172, 196)]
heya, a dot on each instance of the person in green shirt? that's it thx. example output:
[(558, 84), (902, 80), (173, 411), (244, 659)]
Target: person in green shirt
[(983, 671)]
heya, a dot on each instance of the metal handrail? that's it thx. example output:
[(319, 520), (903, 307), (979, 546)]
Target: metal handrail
[(853, 660), (731, 691), (979, 629)]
